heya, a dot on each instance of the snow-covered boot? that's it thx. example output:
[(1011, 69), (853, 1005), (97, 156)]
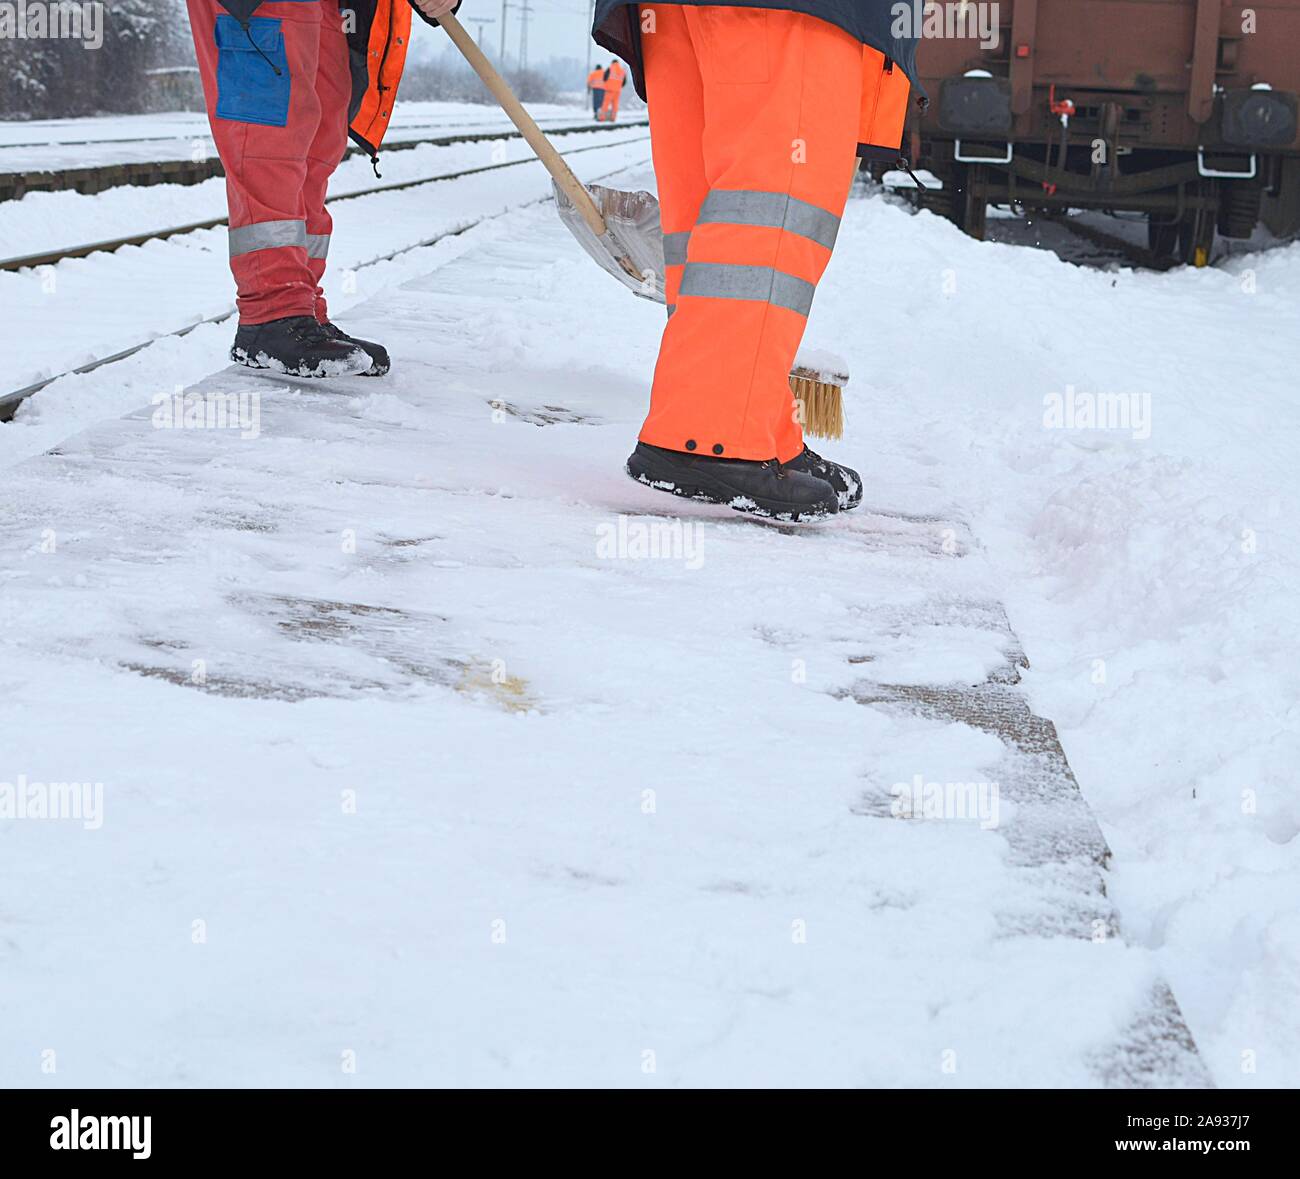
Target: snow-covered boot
[(846, 481), (768, 488), (298, 347), (377, 352)]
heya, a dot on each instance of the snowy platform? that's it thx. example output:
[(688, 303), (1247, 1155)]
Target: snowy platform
[(434, 751)]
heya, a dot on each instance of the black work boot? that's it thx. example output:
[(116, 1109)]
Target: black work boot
[(377, 352), (297, 347), (766, 488), (846, 481)]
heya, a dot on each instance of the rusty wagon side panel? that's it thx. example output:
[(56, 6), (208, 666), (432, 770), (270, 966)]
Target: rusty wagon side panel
[(1184, 110)]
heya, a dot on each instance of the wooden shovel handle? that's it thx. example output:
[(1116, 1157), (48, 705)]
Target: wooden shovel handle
[(551, 159)]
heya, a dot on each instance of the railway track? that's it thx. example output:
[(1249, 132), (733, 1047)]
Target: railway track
[(176, 137), (1119, 246), (1076, 241), (99, 177), (1106, 248), (9, 402), (53, 257)]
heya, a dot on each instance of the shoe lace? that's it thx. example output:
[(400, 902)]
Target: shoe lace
[(310, 331)]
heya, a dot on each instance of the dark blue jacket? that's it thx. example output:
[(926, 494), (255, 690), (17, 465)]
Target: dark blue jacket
[(870, 21)]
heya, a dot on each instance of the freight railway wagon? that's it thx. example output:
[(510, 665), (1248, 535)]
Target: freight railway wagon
[(1180, 111)]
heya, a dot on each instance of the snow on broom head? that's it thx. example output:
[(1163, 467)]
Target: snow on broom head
[(817, 382)]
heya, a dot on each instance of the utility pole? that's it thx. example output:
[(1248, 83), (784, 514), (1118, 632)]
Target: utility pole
[(525, 15), (505, 4), (481, 21), (586, 38)]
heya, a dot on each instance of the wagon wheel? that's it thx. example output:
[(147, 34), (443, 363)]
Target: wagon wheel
[(974, 207), (1239, 208), (1162, 236)]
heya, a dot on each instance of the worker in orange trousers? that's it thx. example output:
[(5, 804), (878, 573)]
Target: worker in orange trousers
[(614, 79), (758, 117)]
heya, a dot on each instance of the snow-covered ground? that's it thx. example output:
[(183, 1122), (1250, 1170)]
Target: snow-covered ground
[(408, 750), (46, 221), (124, 298)]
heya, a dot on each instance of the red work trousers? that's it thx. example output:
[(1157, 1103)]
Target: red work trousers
[(754, 118), (277, 96)]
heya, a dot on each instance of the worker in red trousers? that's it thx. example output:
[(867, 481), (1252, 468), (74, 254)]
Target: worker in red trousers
[(286, 83)]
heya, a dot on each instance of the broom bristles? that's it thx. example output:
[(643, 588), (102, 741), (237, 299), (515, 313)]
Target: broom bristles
[(822, 402)]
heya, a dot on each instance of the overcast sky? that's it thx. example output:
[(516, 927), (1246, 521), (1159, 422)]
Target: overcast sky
[(555, 28)]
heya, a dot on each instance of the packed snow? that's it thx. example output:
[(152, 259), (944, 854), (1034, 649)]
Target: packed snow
[(501, 769)]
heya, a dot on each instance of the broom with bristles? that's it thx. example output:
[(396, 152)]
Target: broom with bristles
[(622, 232), (817, 382)]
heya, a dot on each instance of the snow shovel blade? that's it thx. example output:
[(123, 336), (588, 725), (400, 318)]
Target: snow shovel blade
[(632, 249)]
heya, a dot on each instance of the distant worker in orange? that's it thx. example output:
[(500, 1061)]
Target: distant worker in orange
[(758, 117), (596, 84), (615, 76)]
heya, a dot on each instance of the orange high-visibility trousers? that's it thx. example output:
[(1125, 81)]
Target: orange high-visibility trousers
[(754, 117), (615, 76)]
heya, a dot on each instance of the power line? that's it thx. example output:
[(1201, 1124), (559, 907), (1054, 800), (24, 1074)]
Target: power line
[(481, 21)]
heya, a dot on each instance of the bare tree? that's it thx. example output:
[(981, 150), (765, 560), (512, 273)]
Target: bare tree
[(90, 57)]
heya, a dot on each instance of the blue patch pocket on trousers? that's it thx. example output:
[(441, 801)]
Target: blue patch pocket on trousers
[(248, 88)]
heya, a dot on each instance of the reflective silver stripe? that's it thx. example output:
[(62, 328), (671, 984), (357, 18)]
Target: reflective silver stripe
[(776, 210), (318, 245), (266, 235), (761, 284), (675, 248)]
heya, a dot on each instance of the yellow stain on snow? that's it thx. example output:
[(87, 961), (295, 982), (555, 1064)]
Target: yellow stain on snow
[(506, 691)]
